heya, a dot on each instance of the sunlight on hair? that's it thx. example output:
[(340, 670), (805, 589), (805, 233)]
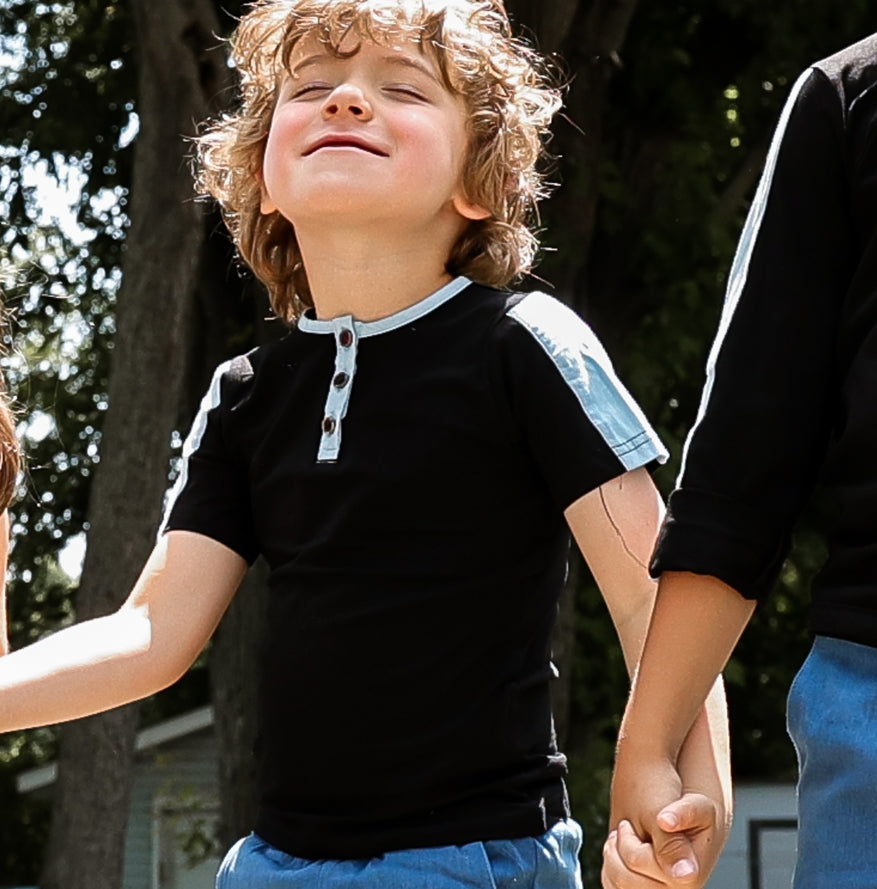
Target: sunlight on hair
[(510, 91)]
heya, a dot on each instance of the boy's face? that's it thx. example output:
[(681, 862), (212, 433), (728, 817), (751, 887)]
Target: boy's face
[(373, 136)]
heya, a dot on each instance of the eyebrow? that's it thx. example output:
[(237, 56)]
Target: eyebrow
[(308, 61), (389, 58), (410, 62)]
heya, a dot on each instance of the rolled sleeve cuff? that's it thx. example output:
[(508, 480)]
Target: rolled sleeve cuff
[(708, 534)]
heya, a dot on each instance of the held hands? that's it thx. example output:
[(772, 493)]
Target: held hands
[(664, 836)]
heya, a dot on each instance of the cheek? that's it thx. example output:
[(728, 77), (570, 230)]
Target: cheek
[(454, 142), (279, 151), (283, 140), (269, 179), (437, 151), (269, 159)]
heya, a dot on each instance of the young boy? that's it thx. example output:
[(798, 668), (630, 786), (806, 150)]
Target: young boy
[(404, 459), (789, 405)]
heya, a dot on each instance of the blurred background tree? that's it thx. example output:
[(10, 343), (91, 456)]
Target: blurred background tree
[(669, 113)]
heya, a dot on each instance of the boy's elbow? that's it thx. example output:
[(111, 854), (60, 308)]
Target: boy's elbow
[(168, 663), (163, 653)]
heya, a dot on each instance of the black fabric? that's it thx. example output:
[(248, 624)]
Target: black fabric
[(413, 583), (792, 394)]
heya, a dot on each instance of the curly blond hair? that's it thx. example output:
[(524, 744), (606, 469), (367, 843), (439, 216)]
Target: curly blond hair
[(10, 455), (509, 91)]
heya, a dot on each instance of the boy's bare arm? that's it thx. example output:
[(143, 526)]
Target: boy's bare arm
[(615, 527), (696, 623), (143, 647)]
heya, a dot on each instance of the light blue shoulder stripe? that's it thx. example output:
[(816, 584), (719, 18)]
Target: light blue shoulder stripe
[(585, 367), (193, 440)]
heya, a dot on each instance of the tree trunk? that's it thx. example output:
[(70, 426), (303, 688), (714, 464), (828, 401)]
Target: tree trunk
[(591, 45), (234, 661), (178, 79), (589, 37)]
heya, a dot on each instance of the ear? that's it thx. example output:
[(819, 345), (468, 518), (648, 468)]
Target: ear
[(468, 210)]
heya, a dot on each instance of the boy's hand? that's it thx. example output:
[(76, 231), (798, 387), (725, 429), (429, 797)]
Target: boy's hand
[(678, 856), (636, 867), (665, 836)]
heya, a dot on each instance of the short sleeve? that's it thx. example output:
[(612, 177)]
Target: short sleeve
[(579, 422), (211, 494)]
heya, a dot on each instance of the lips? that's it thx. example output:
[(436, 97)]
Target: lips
[(344, 141)]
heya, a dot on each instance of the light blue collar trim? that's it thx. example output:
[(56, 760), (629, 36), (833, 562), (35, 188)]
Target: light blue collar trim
[(391, 322)]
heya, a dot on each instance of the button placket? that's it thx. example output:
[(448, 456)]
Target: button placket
[(338, 397)]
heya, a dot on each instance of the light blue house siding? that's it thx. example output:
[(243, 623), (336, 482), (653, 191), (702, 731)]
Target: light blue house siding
[(170, 843), (760, 852)]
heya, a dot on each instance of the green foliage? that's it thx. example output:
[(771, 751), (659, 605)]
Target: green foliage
[(73, 59), (188, 816), (62, 116), (68, 122)]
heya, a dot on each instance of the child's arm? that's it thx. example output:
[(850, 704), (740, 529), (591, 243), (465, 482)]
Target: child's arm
[(143, 647), (697, 622), (615, 528), (4, 554)]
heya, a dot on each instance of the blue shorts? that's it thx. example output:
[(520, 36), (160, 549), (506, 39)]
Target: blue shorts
[(546, 862), (833, 722)]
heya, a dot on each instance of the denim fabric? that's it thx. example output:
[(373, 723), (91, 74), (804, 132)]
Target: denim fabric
[(833, 721), (546, 862)]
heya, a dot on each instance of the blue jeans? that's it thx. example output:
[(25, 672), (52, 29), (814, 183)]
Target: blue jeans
[(546, 862), (833, 721)]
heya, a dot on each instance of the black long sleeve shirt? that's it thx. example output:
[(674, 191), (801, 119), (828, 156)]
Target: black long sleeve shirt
[(791, 397)]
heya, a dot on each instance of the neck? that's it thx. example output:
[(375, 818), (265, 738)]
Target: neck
[(369, 277)]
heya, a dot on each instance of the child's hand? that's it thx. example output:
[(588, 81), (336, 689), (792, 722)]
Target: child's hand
[(629, 862), (666, 834), (681, 852)]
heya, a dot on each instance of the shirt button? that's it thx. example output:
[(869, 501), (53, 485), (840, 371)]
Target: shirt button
[(329, 425), (341, 380), (345, 338)]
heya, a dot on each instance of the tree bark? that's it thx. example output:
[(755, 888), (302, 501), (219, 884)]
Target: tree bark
[(234, 661), (591, 45), (589, 36), (178, 79)]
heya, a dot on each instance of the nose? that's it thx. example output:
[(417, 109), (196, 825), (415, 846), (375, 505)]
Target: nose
[(347, 99)]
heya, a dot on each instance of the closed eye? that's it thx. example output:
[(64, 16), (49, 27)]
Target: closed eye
[(309, 89), (406, 91)]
